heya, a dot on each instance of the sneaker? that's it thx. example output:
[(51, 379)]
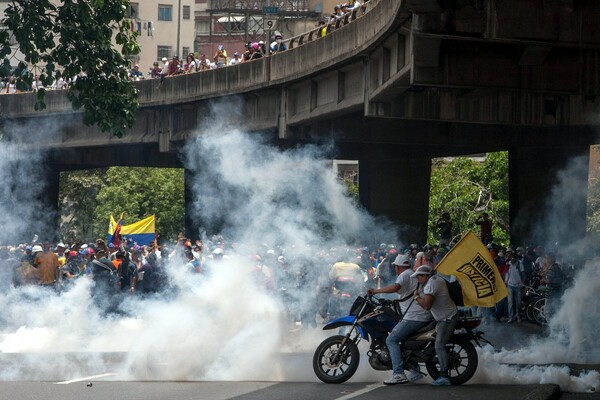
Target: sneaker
[(415, 375), (396, 380), (441, 381)]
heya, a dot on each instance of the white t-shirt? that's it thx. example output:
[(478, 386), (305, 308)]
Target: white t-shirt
[(513, 276), (443, 307), (408, 286)]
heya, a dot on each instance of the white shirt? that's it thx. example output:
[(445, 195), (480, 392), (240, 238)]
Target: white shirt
[(443, 307), (408, 286)]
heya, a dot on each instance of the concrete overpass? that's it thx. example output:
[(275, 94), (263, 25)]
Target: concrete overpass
[(405, 82)]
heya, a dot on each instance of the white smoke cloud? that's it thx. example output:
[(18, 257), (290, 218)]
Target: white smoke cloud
[(225, 326)]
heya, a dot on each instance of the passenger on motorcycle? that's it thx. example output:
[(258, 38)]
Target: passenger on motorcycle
[(414, 318), (434, 296)]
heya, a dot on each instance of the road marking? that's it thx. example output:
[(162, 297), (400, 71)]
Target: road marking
[(87, 378), (367, 389)]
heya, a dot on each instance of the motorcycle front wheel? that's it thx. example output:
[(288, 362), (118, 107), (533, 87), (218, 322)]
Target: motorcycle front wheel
[(462, 361), (538, 311), (334, 362)]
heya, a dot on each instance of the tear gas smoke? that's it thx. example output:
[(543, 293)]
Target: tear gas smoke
[(222, 327), (226, 326), (574, 328)]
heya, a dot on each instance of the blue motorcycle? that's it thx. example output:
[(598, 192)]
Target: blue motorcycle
[(337, 357)]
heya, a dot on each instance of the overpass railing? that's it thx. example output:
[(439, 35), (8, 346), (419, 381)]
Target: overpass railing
[(354, 35), (317, 33)]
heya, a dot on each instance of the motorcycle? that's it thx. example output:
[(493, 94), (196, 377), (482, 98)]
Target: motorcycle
[(343, 291), (337, 358)]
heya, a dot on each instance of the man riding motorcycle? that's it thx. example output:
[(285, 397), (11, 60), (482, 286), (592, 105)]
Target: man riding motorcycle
[(414, 318)]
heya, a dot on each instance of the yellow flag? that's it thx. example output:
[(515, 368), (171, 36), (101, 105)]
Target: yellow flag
[(471, 263)]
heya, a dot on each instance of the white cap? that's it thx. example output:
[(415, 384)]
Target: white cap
[(402, 260), (36, 249), (422, 270)]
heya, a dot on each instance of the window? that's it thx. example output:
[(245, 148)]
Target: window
[(185, 52), (186, 12), (163, 51), (202, 27), (134, 10), (165, 12)]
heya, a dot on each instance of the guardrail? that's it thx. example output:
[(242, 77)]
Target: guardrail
[(316, 33)]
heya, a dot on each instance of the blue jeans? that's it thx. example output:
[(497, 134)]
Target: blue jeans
[(445, 329), (402, 330), (514, 301)]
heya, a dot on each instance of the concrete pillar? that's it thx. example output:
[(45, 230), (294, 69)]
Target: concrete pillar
[(191, 221), (48, 199), (399, 190), (548, 194)]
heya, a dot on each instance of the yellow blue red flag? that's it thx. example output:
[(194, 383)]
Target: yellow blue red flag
[(142, 232), (471, 263)]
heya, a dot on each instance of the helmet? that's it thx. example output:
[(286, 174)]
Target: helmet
[(221, 47), (36, 249), (255, 46)]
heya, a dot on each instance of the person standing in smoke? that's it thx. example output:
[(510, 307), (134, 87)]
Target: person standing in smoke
[(554, 279), (148, 275), (25, 272), (105, 286), (47, 265), (514, 282)]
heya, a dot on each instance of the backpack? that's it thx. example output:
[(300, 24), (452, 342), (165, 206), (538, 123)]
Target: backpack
[(455, 292)]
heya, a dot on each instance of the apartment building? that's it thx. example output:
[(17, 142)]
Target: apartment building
[(165, 28)]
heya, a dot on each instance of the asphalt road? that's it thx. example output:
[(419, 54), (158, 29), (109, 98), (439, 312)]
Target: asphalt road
[(51, 383)]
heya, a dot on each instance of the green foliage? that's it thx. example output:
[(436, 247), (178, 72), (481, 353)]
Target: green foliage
[(351, 187), (137, 192), (75, 39), (593, 202), (465, 188)]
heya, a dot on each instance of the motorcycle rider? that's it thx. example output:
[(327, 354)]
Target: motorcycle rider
[(344, 276), (414, 318), (434, 296)]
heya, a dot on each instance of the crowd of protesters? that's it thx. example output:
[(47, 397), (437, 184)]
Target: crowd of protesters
[(307, 284)]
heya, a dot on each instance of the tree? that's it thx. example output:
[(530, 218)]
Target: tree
[(78, 193), (593, 204), (92, 196), (75, 40), (465, 188)]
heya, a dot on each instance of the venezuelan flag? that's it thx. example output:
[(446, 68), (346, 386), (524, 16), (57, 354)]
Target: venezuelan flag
[(142, 232)]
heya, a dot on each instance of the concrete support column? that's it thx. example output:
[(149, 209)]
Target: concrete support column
[(192, 222), (548, 194), (48, 199), (399, 190)]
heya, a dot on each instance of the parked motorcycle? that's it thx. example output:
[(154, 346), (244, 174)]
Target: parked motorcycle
[(337, 358)]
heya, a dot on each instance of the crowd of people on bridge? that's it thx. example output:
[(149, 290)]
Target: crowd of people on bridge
[(192, 62)]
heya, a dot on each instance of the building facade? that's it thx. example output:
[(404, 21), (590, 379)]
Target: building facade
[(165, 28)]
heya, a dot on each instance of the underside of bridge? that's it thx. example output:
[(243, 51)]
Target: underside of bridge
[(407, 82)]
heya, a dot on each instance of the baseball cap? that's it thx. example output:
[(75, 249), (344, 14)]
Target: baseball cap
[(422, 270), (402, 260)]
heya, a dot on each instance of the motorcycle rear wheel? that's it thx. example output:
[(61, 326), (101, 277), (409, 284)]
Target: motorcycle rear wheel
[(462, 361), (334, 363)]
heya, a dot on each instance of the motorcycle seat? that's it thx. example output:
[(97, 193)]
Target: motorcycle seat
[(427, 327)]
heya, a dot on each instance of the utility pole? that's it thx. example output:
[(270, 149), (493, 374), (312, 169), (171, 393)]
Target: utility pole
[(177, 51)]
